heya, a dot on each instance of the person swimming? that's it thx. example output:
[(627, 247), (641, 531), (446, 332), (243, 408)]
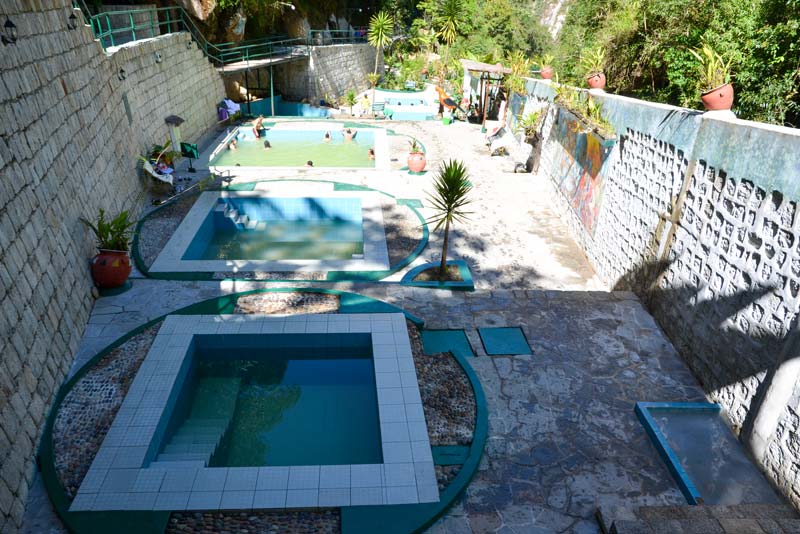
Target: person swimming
[(348, 134), (371, 153), (309, 163), (232, 146), (327, 137), (267, 145)]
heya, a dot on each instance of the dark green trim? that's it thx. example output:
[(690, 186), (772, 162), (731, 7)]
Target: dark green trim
[(466, 283), (450, 454), (146, 522), (116, 290), (405, 518), (332, 276)]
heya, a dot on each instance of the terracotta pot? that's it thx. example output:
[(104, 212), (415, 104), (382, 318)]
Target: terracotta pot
[(546, 73), (719, 98), (110, 268), (596, 80), (416, 162)]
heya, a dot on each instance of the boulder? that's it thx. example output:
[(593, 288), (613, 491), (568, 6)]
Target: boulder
[(199, 9)]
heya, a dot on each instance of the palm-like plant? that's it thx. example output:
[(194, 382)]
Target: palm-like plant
[(714, 70), (379, 35), (448, 21), (449, 197)]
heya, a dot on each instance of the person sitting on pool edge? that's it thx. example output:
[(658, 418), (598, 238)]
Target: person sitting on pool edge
[(267, 145), (309, 163), (327, 137), (371, 153), (348, 134)]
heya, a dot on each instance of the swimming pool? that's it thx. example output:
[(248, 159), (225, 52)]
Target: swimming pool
[(294, 148), (279, 228), (311, 228), (295, 399), (410, 108)]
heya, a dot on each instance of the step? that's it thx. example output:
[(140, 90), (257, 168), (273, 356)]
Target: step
[(188, 447), (182, 457), (251, 225), (184, 464)]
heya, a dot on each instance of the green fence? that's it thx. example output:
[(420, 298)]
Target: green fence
[(113, 28)]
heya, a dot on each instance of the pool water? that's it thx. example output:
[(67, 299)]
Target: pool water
[(409, 109), (310, 399), (276, 228), (293, 148)]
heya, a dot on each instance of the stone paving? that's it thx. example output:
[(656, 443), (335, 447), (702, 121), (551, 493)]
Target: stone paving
[(563, 436)]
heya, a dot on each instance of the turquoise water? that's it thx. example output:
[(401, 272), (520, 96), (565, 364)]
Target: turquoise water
[(296, 405), (409, 109), (293, 148), (277, 228)]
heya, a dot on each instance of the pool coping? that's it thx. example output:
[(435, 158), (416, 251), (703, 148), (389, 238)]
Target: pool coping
[(120, 477), (659, 440), (375, 257), (357, 517), (332, 276)]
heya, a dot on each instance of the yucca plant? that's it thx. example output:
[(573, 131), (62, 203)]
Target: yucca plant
[(449, 198), (379, 35), (114, 234), (545, 60), (714, 70), (593, 60)]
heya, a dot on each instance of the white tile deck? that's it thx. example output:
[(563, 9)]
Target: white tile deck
[(376, 253), (120, 477)]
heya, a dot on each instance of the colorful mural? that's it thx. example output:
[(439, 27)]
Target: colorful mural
[(578, 167)]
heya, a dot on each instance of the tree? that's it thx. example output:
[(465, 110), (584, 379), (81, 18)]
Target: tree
[(448, 21), (449, 197), (379, 35)]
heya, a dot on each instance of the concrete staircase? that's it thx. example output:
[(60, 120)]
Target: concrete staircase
[(738, 519), (195, 442), (233, 216)]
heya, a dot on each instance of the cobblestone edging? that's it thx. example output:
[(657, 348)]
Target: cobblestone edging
[(283, 522)]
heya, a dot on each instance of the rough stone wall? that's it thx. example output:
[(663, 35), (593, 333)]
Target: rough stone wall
[(330, 71), (723, 282), (67, 148)]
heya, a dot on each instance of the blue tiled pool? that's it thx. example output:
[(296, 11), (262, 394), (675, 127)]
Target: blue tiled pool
[(275, 228), (409, 108)]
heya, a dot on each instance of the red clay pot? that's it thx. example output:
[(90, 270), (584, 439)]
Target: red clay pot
[(110, 268), (416, 162), (596, 80), (720, 98), (546, 73)]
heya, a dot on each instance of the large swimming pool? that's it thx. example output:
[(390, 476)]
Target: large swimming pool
[(276, 228), (295, 148)]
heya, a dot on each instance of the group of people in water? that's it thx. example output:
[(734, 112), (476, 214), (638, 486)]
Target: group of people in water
[(259, 131)]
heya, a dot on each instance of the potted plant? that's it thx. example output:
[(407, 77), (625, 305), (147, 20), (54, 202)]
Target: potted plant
[(416, 157), (592, 62), (112, 265), (546, 66), (529, 125), (162, 153), (449, 197), (715, 78)]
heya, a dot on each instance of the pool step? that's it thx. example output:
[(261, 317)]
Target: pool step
[(239, 219), (201, 433), (177, 465)]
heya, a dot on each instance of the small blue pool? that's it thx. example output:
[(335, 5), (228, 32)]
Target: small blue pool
[(277, 228), (276, 400), (409, 108)]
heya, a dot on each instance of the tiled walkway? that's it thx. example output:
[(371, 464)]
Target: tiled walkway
[(563, 435)]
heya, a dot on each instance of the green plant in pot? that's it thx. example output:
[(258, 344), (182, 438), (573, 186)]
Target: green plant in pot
[(715, 78), (546, 66), (529, 124), (112, 265), (416, 157), (593, 62), (451, 189)]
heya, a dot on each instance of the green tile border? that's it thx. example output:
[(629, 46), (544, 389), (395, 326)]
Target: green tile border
[(465, 285), (447, 335), (146, 522), (519, 329), (332, 276)]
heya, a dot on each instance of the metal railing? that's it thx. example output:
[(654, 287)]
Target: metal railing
[(113, 28)]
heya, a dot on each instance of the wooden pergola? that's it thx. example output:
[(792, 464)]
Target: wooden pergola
[(489, 75)]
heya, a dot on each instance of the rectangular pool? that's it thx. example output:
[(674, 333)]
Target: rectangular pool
[(294, 148), (276, 228), (301, 399)]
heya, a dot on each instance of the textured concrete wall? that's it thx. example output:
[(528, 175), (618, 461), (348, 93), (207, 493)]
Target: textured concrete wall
[(67, 148), (719, 265)]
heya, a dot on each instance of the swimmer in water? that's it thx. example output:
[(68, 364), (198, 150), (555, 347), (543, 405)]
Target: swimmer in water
[(267, 145), (371, 153), (348, 135), (327, 137), (232, 146), (309, 163)]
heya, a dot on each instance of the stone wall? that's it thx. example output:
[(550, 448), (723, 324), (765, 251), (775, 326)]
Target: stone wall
[(329, 71), (697, 214), (68, 147)]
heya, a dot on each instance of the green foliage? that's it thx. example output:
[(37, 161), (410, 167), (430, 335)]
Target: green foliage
[(114, 234), (451, 189), (649, 44), (714, 70), (373, 79), (414, 146), (593, 60), (530, 123), (379, 34), (586, 108), (350, 98)]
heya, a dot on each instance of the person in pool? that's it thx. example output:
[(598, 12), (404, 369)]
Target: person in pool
[(267, 145), (371, 153), (348, 134), (309, 163), (232, 146), (258, 126), (327, 137)]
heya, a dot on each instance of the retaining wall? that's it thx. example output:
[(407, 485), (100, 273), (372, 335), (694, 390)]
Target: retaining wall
[(68, 146), (698, 215)]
